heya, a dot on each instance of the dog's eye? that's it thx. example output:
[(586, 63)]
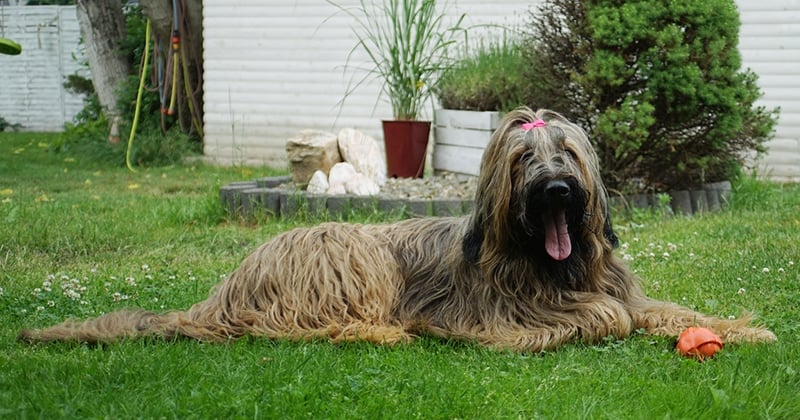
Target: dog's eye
[(572, 154), (526, 156)]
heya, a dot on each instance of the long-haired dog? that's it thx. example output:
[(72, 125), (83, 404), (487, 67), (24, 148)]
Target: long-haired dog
[(532, 267)]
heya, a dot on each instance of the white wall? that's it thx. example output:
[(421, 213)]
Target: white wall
[(275, 68), (769, 41), (31, 87)]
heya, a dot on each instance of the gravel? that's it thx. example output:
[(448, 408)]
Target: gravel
[(447, 186)]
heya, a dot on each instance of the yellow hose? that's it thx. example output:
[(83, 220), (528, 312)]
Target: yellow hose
[(139, 96)]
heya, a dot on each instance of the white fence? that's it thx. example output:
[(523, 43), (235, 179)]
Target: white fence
[(31, 89)]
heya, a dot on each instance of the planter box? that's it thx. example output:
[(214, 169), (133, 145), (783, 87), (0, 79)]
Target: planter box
[(459, 139)]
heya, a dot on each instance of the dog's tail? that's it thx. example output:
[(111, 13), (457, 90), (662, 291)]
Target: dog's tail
[(205, 321), (109, 327)]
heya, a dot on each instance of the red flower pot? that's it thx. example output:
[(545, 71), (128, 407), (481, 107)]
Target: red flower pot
[(406, 146)]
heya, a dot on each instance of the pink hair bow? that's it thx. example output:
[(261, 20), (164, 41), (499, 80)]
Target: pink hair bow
[(536, 124)]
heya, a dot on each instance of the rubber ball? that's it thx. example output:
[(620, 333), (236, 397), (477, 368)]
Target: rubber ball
[(698, 342)]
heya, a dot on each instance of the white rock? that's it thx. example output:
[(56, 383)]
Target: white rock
[(318, 183), (339, 176), (361, 184), (309, 151), (363, 152)]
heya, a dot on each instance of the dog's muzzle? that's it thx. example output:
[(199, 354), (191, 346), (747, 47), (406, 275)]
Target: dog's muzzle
[(555, 208)]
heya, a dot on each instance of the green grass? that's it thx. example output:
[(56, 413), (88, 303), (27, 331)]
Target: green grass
[(158, 238)]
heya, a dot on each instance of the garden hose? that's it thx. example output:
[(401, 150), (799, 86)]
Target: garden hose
[(174, 95), (189, 95), (139, 96)]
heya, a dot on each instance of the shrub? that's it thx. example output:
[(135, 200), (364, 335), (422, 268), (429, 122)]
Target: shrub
[(490, 78), (656, 84)]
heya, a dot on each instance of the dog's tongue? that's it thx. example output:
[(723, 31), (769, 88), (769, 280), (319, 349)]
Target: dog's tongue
[(556, 237)]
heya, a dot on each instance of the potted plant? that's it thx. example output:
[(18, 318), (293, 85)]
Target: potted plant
[(473, 93), (408, 43)]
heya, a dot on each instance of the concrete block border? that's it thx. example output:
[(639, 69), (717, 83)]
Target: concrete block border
[(265, 196)]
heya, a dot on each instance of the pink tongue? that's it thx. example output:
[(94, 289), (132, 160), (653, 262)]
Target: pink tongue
[(557, 241)]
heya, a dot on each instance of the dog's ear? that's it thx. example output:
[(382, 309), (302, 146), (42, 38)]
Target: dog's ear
[(471, 244), (608, 231)]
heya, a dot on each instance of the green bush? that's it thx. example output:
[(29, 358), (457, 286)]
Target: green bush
[(490, 78), (657, 85)]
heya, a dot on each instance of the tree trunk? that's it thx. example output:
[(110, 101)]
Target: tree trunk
[(102, 26)]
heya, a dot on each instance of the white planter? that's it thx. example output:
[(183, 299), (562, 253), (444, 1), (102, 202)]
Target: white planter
[(459, 139)]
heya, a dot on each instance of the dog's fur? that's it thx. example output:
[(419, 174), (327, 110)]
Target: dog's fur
[(530, 269)]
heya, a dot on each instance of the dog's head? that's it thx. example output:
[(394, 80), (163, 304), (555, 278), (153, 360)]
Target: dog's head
[(539, 192)]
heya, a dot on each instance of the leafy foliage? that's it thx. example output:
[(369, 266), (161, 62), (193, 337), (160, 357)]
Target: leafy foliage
[(656, 84), (490, 78)]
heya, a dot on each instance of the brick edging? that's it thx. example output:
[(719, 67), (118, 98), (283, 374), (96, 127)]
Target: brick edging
[(248, 198)]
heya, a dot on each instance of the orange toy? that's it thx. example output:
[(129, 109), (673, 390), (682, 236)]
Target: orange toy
[(698, 342)]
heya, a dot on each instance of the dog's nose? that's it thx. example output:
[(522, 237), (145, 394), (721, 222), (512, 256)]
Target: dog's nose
[(557, 189)]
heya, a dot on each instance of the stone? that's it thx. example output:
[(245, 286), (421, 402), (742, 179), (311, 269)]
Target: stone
[(339, 176), (318, 183), (360, 184), (310, 151), (363, 152)]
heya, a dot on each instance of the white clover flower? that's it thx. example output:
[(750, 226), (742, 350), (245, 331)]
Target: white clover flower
[(39, 308), (765, 270), (145, 267), (131, 281), (741, 291), (781, 270), (791, 263), (665, 255), (50, 303), (627, 257), (691, 255)]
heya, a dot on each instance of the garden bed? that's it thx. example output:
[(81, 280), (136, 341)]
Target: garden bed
[(447, 195)]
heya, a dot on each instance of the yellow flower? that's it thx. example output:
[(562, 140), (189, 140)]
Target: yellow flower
[(43, 145), (133, 186), (69, 159), (19, 150), (420, 84), (41, 199), (6, 191)]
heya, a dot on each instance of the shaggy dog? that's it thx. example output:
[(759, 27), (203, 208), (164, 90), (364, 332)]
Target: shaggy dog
[(529, 269)]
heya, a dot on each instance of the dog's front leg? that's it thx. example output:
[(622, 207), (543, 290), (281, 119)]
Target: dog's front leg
[(669, 319)]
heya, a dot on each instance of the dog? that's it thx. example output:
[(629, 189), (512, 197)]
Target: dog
[(530, 268)]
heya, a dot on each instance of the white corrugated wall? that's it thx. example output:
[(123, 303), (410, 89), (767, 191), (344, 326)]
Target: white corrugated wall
[(275, 68), (31, 87), (769, 41)]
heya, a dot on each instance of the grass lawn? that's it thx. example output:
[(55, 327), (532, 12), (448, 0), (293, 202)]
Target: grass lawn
[(80, 237)]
